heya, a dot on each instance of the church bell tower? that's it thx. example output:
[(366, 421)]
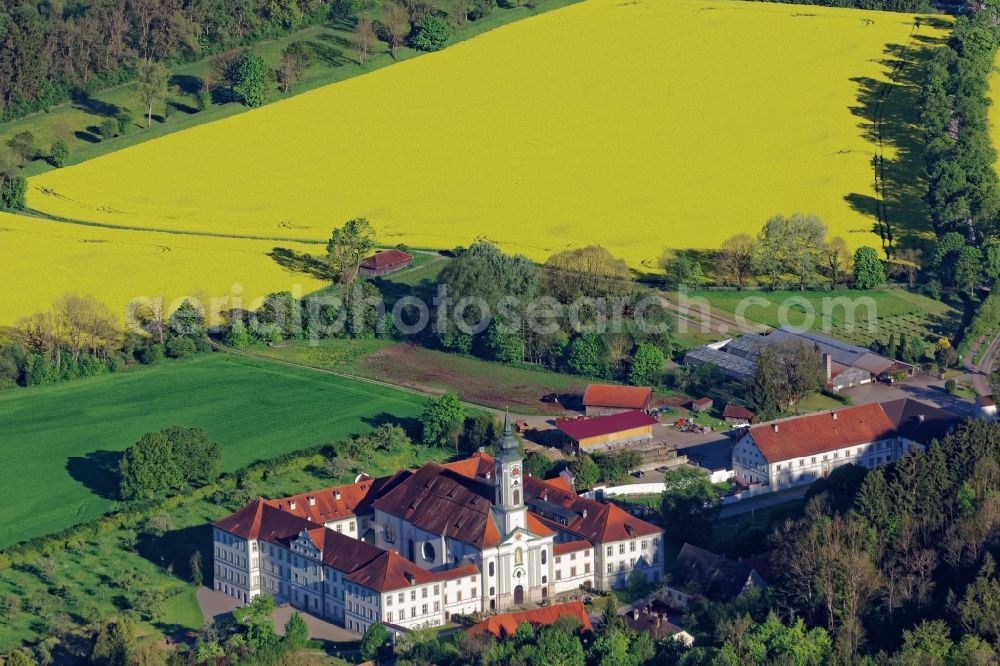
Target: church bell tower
[(508, 473)]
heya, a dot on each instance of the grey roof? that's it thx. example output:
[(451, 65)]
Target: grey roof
[(738, 357), (714, 576), (919, 422), (729, 364)]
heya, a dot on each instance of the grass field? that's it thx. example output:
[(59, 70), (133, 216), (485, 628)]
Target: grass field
[(105, 574), (894, 311), (62, 443), (40, 260), (632, 125)]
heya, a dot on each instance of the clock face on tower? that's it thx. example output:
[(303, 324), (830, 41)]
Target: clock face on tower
[(515, 471)]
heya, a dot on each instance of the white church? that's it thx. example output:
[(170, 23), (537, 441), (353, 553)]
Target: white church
[(412, 549)]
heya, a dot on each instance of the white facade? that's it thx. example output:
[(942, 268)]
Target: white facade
[(451, 576), (751, 467)]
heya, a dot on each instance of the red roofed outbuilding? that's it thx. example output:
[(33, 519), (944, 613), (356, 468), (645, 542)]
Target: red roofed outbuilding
[(386, 261), (591, 432), (604, 399), (504, 626)]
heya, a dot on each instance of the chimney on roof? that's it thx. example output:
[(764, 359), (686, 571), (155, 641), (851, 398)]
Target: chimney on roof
[(312, 501), (487, 475), (584, 513), (834, 416), (920, 417), (545, 496), (482, 449), (828, 366), (291, 505), (336, 494), (774, 427)]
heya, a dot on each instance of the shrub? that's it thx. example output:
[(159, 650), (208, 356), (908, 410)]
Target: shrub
[(950, 386), (12, 190), (180, 346), (151, 354), (203, 98), (123, 119), (432, 33), (108, 129), (481, 8), (59, 154)]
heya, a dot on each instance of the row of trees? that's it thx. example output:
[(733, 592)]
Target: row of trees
[(52, 49), (789, 250), (79, 337), (964, 191)]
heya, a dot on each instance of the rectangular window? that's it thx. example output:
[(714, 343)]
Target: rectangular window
[(437, 590), (351, 527), (413, 595), (572, 556), (340, 528), (608, 551), (423, 593), (586, 567), (642, 544), (621, 549), (558, 574), (610, 569), (631, 546), (423, 609), (388, 616), (558, 559), (388, 600), (572, 572), (437, 606)]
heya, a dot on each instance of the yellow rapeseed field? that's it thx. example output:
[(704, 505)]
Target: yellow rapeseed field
[(633, 124), (41, 260)]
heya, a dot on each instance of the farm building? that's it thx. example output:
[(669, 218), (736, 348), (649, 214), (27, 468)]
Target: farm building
[(602, 431), (384, 262), (799, 450), (604, 399), (738, 416), (701, 405), (846, 365)]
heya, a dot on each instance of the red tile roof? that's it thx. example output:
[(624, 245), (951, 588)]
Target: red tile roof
[(603, 522), (505, 625), (819, 433), (620, 397), (561, 482), (571, 547), (338, 502), (737, 412), (391, 571), (585, 428), (443, 501), (386, 259)]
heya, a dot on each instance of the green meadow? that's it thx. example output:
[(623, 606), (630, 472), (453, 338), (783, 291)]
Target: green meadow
[(61, 444)]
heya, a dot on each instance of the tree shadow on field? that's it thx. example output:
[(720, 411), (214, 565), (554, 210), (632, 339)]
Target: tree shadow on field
[(186, 83), (329, 49), (889, 113), (84, 102), (87, 136), (301, 262), (175, 548), (411, 425), (98, 471)]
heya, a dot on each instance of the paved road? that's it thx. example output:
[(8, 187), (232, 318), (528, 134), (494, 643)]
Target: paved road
[(763, 502), (924, 388), (979, 373)]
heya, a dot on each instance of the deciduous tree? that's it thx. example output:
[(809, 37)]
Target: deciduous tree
[(150, 86)]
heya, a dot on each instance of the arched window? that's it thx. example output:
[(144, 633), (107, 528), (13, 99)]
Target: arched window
[(492, 569), (544, 556), (390, 534), (428, 551), (518, 556), (516, 497)]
